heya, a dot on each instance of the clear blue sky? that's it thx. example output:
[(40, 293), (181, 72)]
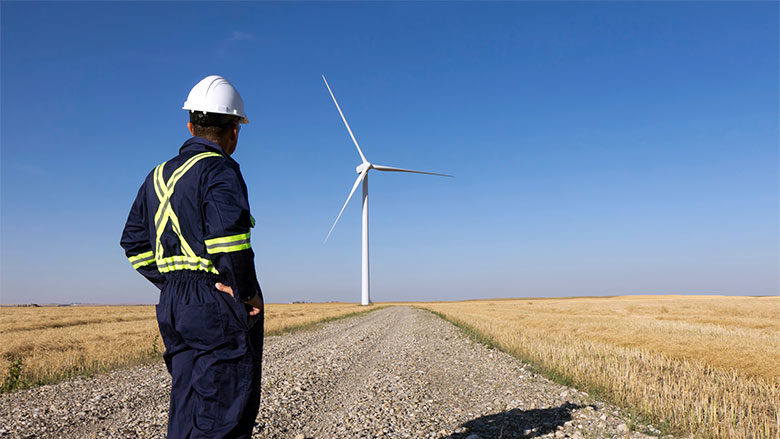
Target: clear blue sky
[(599, 148)]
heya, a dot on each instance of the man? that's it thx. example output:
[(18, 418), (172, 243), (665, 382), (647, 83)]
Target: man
[(188, 232)]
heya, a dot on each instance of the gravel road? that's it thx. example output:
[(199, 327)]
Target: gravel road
[(398, 373)]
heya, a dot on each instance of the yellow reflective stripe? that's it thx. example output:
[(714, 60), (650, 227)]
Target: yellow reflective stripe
[(185, 248), (158, 189), (141, 260), (173, 263), (228, 243), (141, 256), (210, 242), (138, 265), (251, 221), (233, 248)]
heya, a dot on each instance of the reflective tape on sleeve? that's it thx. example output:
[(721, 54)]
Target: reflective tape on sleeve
[(228, 244), (141, 260)]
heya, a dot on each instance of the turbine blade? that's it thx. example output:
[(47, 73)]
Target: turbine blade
[(345, 120), (357, 182), (392, 169)]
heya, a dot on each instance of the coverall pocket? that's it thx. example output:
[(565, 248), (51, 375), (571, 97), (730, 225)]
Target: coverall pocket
[(201, 325)]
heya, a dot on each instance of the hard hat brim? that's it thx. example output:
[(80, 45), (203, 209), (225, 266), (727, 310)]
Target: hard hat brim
[(241, 119)]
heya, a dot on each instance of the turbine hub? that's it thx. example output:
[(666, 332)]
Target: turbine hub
[(359, 169)]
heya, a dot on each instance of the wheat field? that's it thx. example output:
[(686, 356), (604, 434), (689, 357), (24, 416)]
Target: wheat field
[(40, 345), (707, 365)]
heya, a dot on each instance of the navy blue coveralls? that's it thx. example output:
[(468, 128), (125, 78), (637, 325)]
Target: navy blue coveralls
[(189, 228)]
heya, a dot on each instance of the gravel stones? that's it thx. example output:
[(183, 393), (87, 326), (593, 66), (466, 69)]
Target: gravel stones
[(395, 373)]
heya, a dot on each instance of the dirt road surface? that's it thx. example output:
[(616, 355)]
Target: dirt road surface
[(397, 372)]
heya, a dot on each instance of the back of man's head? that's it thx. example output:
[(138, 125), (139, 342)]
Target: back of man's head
[(212, 126)]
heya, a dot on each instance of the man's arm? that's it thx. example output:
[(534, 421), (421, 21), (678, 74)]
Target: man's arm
[(135, 241), (227, 238)]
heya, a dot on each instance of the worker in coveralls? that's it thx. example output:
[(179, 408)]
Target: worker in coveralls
[(188, 232)]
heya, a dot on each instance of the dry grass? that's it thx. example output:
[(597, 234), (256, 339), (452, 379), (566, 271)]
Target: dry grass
[(44, 345), (708, 365)]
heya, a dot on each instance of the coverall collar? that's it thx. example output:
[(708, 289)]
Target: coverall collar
[(200, 144)]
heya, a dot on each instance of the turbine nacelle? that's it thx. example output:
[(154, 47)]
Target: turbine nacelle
[(362, 167)]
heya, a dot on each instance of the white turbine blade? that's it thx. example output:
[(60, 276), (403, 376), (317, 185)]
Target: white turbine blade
[(357, 182), (345, 120), (392, 169)]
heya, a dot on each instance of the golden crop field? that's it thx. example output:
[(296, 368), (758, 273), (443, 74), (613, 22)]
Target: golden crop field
[(707, 365), (47, 344)]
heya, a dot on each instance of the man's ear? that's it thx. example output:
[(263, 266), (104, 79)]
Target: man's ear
[(191, 128)]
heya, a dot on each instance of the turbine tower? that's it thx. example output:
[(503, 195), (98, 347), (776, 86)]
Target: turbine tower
[(362, 170)]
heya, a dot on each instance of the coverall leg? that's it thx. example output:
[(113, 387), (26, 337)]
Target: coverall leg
[(214, 357)]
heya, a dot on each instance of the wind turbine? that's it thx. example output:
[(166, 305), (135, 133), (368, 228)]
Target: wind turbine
[(362, 170)]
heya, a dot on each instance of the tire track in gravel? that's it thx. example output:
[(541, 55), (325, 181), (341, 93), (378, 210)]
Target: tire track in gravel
[(397, 372)]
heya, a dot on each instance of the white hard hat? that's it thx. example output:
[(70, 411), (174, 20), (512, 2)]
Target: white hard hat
[(214, 94)]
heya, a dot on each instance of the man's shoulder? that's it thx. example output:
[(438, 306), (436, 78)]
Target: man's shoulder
[(222, 169), (206, 163), (200, 159)]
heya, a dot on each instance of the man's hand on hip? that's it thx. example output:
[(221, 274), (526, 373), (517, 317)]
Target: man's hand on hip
[(255, 303)]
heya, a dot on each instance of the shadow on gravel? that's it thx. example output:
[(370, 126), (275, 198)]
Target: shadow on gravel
[(518, 423)]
